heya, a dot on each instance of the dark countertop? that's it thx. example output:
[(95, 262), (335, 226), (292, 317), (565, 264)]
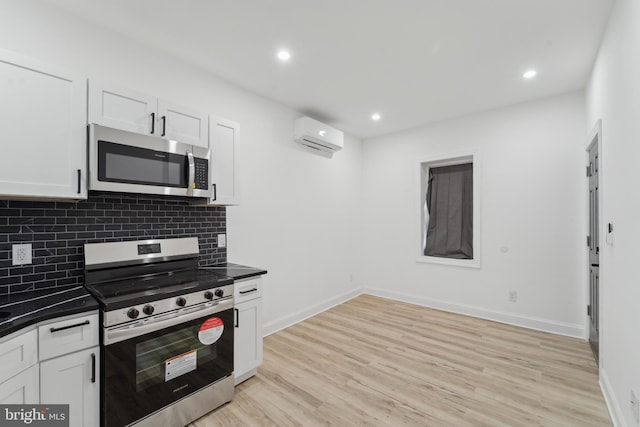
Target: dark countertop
[(236, 271), (24, 309)]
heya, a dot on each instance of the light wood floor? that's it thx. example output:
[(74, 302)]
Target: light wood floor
[(377, 362)]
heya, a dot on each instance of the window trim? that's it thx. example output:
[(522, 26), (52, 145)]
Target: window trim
[(471, 156)]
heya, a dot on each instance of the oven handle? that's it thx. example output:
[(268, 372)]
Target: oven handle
[(125, 332)]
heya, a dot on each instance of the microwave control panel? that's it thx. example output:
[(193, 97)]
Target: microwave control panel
[(202, 174)]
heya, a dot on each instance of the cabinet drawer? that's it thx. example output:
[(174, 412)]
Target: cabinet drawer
[(18, 353), (68, 335), (248, 289)]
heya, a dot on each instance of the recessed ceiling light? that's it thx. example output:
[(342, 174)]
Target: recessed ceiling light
[(375, 117), (284, 55), (530, 74)]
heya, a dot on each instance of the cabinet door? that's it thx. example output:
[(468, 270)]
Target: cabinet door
[(224, 163), (21, 389), (182, 124), (247, 348), (122, 109), (43, 120), (73, 379), (18, 353)]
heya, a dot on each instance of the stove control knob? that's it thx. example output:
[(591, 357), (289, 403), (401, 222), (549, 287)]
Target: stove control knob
[(181, 301), (208, 295), (219, 293), (133, 313), (148, 310)]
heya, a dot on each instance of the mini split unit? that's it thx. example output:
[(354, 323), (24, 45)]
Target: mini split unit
[(313, 134)]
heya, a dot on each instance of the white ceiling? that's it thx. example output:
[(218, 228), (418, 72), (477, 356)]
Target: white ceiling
[(413, 61)]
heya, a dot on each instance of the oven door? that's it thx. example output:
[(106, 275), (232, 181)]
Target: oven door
[(170, 359), (133, 163)]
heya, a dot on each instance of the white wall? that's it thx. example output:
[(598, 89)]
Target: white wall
[(326, 228), (613, 94), (298, 209), (532, 202)]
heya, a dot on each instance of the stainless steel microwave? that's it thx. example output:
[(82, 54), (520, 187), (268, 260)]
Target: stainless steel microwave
[(128, 162)]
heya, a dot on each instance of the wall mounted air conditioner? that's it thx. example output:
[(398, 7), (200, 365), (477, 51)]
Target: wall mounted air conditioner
[(316, 135)]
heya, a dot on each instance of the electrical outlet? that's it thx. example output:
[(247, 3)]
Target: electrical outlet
[(635, 406), (21, 254), (513, 296), (222, 240)]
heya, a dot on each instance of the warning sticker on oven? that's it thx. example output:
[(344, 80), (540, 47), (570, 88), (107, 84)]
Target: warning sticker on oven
[(211, 330), (180, 365)]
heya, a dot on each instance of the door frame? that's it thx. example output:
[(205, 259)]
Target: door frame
[(594, 137)]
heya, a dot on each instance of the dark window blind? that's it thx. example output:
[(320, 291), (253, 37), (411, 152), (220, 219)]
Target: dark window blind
[(450, 207)]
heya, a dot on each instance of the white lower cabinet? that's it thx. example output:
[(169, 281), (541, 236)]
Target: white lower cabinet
[(73, 379), (18, 351), (248, 333), (66, 335), (21, 389), (70, 366), (55, 362), (19, 383)]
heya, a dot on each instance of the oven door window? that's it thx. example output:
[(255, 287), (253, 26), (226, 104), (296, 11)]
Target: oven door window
[(134, 165), (146, 373), (163, 358)]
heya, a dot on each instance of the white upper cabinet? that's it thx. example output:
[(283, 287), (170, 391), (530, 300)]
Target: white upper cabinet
[(121, 108), (183, 124), (43, 119), (223, 143), (125, 109)]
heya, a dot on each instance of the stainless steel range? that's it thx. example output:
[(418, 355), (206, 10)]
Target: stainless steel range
[(167, 332)]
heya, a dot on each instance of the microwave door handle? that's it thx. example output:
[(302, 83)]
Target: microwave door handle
[(191, 182)]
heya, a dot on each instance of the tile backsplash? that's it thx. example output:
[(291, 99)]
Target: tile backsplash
[(58, 230)]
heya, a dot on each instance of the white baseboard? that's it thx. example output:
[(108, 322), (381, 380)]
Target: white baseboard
[(610, 399), (293, 318), (559, 328)]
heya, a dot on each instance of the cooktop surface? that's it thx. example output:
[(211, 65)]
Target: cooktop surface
[(124, 292)]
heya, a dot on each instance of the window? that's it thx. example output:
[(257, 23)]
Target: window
[(449, 211)]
